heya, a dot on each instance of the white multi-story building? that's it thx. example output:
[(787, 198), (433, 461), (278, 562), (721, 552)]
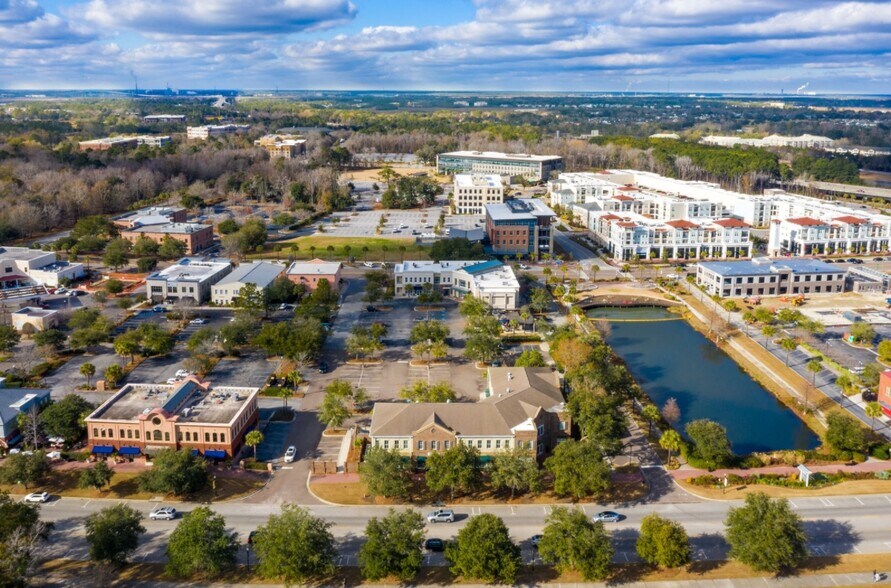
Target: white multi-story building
[(581, 188), (769, 277), (27, 272), (533, 168), (472, 192), (164, 118), (189, 278), (207, 131), (259, 273), (491, 281), (801, 142)]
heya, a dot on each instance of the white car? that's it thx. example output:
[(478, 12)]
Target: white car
[(38, 497), (198, 321), (171, 381), (183, 373), (523, 266), (290, 454), (368, 264), (163, 513)]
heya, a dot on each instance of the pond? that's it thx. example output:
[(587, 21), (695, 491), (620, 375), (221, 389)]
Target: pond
[(669, 358)]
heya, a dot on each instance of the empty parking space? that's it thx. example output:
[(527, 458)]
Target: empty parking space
[(398, 224), (250, 369)]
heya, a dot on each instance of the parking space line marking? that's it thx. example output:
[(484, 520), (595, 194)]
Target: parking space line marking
[(86, 503), (888, 498), (858, 500), (793, 504), (826, 502), (512, 511)]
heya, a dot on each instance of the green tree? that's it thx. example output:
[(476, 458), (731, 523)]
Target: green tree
[(21, 530), (295, 546), (128, 344), (25, 469), (710, 442), (253, 439), (531, 358), (95, 477), (171, 248), (873, 411), (862, 332), (457, 468), (539, 300), (393, 546), (471, 306), (768, 331), (52, 338), (670, 441), (116, 253), (178, 472), (113, 534), (334, 410), (429, 331), (789, 345), (65, 418), (516, 471), (483, 550), (600, 418), (844, 433), (113, 375), (252, 300), (385, 473), (652, 415), (814, 366), (571, 542), (9, 337), (145, 247), (663, 542), (228, 226), (94, 226), (766, 534), (579, 470), (88, 370), (201, 546), (421, 391)]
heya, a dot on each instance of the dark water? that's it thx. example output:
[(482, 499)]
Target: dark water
[(669, 358)]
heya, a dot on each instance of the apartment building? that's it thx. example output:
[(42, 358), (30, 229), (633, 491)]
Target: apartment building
[(146, 418), (520, 227), (197, 237), (800, 142), (191, 278), (282, 146), (310, 273), (521, 408), (763, 276), (26, 272), (472, 192), (107, 143), (534, 168), (154, 140), (259, 273), (207, 131), (884, 398), (491, 281), (570, 189)]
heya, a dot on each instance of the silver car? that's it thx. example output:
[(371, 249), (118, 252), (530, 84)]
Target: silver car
[(442, 515), (163, 513)]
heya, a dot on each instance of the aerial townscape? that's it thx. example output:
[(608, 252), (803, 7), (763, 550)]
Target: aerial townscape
[(502, 292)]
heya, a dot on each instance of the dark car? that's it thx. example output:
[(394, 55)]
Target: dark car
[(878, 259), (434, 544), (857, 261), (828, 261), (322, 367), (370, 308)]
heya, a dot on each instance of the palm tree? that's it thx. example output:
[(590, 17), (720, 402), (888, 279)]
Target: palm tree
[(789, 344), (401, 253), (873, 411), (87, 370), (768, 331), (814, 366), (385, 250), (365, 252), (253, 439), (312, 251), (670, 441), (330, 249), (346, 251), (651, 413)]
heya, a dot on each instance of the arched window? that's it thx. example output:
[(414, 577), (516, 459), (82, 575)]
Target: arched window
[(166, 435), (222, 437), (214, 437), (157, 435)]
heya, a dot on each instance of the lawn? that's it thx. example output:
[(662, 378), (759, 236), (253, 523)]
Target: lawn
[(736, 492), (73, 572), (124, 485), (379, 249)]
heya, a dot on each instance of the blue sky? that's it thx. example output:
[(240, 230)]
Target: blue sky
[(517, 45)]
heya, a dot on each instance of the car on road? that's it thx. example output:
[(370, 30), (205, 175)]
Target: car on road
[(442, 515), (163, 513), (368, 264), (607, 516), (856, 261), (370, 308), (284, 306), (37, 497), (183, 373), (158, 308), (878, 259), (523, 266), (61, 290), (198, 321), (290, 454), (536, 539), (172, 381), (434, 544)]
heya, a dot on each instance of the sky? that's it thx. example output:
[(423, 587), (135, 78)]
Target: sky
[(821, 46)]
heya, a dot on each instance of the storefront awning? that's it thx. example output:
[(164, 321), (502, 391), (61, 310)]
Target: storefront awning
[(103, 449), (196, 452), (215, 454), (129, 451)]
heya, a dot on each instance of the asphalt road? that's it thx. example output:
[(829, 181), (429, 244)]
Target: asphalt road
[(835, 525)]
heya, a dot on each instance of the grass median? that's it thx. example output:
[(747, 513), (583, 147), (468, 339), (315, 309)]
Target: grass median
[(379, 249)]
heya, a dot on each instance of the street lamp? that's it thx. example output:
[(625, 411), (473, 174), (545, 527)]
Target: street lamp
[(248, 554)]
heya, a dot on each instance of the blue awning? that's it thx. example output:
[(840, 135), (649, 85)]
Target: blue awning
[(196, 452), (129, 451), (103, 449), (215, 454)]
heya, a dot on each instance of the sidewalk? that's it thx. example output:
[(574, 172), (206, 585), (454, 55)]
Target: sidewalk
[(686, 472)]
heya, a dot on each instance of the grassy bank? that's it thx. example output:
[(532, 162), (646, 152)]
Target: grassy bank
[(379, 249)]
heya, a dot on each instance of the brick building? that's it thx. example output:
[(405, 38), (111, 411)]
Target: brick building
[(521, 226), (197, 237)]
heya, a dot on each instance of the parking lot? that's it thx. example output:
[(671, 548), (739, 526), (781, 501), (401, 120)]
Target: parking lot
[(401, 224)]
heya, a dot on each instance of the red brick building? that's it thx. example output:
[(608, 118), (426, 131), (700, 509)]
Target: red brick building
[(197, 237), (885, 392)]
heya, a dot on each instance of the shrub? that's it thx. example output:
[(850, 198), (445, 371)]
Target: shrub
[(858, 457), (751, 461), (881, 451)]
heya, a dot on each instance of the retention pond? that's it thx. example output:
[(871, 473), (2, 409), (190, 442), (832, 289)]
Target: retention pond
[(669, 358)]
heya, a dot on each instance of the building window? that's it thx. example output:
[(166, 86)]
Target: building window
[(498, 444), (166, 435), (156, 435), (214, 437), (222, 437), (479, 443), (386, 444), (179, 436), (507, 443), (541, 430), (405, 443), (420, 446), (488, 444), (207, 437), (562, 425), (122, 433), (95, 432), (129, 433), (447, 445), (136, 433)]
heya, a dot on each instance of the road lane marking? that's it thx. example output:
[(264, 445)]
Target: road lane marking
[(888, 498), (858, 500), (512, 511), (86, 503), (793, 504)]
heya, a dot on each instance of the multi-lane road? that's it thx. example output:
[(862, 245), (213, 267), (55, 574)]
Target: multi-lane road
[(835, 525)]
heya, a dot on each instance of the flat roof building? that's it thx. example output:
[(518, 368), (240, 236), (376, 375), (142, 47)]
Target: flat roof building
[(153, 215), (472, 192), (763, 276), (145, 418), (259, 273), (164, 118), (310, 273), (13, 402), (32, 319), (190, 278), (491, 281), (520, 227), (534, 168), (207, 131), (26, 272), (195, 236)]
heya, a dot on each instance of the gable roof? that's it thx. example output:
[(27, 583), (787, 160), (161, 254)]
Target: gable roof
[(805, 221)]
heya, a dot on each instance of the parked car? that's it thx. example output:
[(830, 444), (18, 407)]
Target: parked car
[(158, 308), (290, 454), (368, 264), (198, 321), (284, 306), (163, 513), (607, 516), (523, 266), (856, 261), (322, 367), (171, 381), (434, 544), (536, 539), (442, 515), (37, 497), (370, 308), (828, 261), (878, 259), (183, 373)]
